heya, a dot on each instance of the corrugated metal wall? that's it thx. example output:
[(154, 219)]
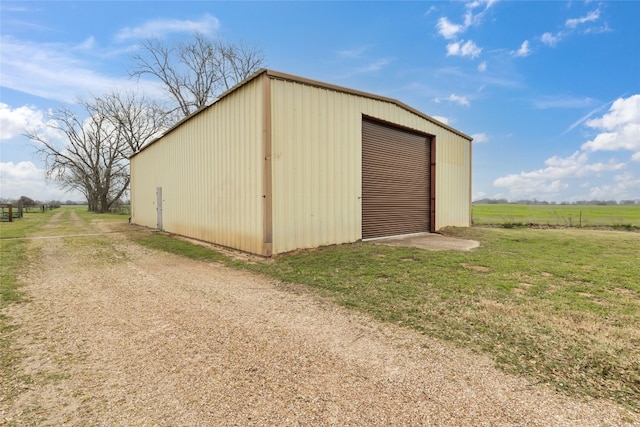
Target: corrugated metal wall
[(453, 180), (211, 172), (217, 169), (317, 154)]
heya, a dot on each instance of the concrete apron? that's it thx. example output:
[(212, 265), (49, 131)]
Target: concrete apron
[(429, 241)]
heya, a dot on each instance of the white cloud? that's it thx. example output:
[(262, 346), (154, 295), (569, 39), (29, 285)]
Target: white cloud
[(456, 99), (450, 30), (625, 186), (586, 117), (447, 29), (521, 185), (26, 179), (524, 50), (20, 171), (550, 179), (546, 102), (59, 72), (442, 119), (475, 19), (160, 27), (598, 30), (20, 179), (15, 122), (590, 17), (463, 49), (479, 195), (88, 44), (482, 67), (549, 39), (571, 26), (576, 166), (480, 137), (620, 126), (430, 10), (462, 100)]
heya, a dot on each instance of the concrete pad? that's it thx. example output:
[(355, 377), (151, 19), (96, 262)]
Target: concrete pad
[(429, 241)]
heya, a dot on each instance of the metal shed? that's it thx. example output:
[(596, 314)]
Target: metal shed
[(281, 162)]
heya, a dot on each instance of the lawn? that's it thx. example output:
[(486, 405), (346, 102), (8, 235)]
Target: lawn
[(618, 216)]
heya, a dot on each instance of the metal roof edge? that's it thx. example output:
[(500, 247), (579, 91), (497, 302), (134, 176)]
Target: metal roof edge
[(316, 83), (303, 80), (201, 109)]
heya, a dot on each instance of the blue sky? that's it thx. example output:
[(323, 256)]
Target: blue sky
[(549, 90)]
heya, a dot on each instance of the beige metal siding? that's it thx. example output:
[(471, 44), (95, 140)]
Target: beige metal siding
[(453, 181), (316, 172), (317, 155), (211, 170)]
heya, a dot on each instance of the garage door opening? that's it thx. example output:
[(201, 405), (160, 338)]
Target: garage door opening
[(396, 181)]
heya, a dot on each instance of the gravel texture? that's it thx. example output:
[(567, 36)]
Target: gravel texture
[(118, 335)]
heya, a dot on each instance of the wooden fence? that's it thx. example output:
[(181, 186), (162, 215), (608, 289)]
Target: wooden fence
[(8, 212)]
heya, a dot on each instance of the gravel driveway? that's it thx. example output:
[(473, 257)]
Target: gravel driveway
[(118, 335)]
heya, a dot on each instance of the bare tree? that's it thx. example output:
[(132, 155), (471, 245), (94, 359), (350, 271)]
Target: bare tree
[(195, 73), (94, 158), (139, 119)]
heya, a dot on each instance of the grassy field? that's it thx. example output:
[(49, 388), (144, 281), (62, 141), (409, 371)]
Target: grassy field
[(561, 306), (618, 216)]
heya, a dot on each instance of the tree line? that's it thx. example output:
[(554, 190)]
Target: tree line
[(28, 203), (543, 202), (94, 158)]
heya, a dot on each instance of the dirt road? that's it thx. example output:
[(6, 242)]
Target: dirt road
[(118, 335)]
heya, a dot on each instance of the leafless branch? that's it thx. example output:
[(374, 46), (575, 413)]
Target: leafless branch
[(196, 72)]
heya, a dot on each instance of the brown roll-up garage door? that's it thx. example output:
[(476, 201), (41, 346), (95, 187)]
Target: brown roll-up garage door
[(395, 181)]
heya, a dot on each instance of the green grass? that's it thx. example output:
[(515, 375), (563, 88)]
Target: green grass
[(13, 251), (561, 306), (167, 243), (510, 215)]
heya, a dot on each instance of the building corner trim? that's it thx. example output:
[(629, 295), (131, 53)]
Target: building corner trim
[(267, 185)]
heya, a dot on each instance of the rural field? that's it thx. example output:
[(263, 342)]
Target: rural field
[(616, 216), (104, 323)]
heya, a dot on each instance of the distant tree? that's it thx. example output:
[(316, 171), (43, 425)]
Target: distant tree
[(94, 158), (195, 73), (26, 202)]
